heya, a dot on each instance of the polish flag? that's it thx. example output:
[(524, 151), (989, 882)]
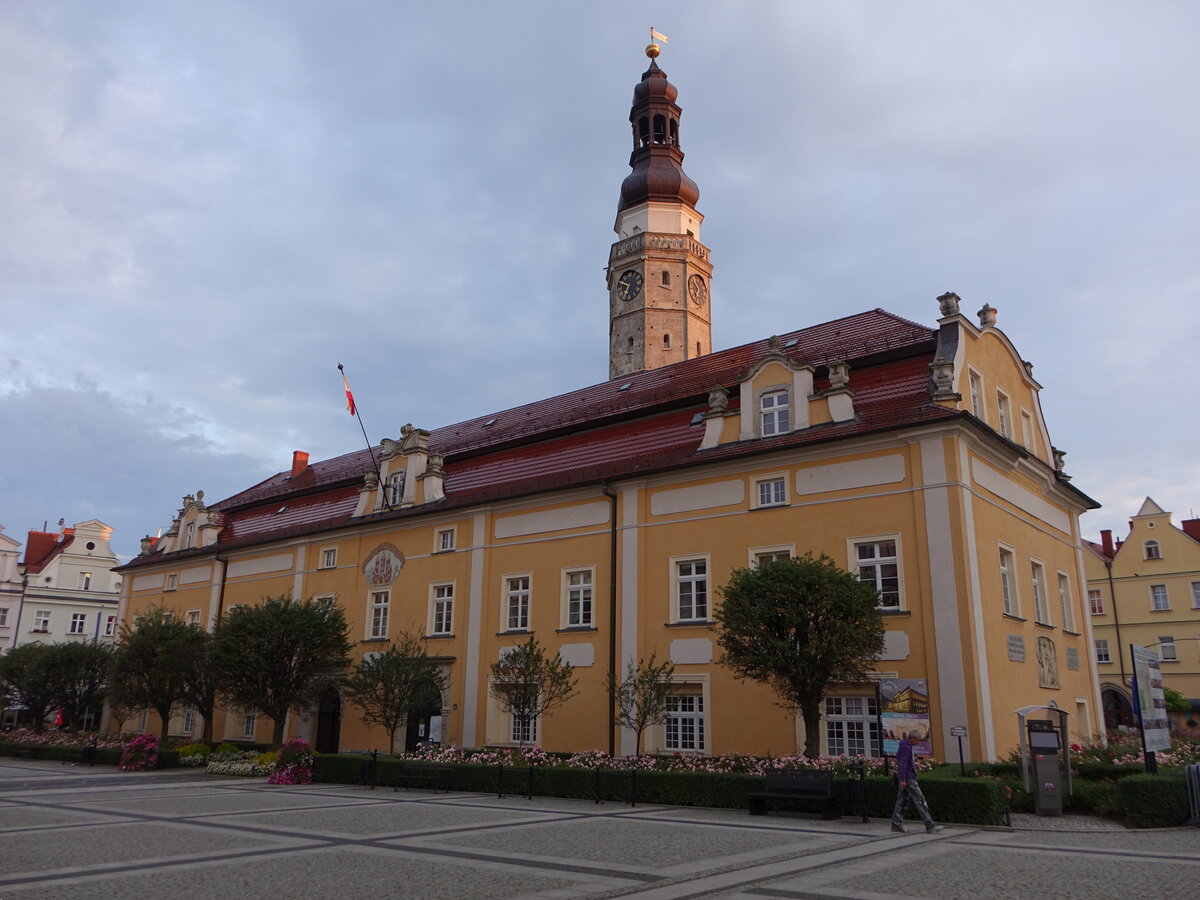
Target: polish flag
[(350, 407)]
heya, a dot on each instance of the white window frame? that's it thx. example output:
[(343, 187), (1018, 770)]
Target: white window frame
[(581, 594), (3, 616), (685, 728), (679, 579), (776, 485), (878, 562), (1026, 428), (1151, 549), (1037, 583), (1196, 595), (395, 488), (249, 724), (378, 608), (1167, 651), (41, 621), (1007, 560), (85, 581), (1064, 600), (1154, 598), (517, 608), (1102, 652), (1004, 422), (520, 733), (838, 719), (193, 617), (445, 540), (188, 725), (1095, 602), (110, 625), (189, 536), (328, 558), (441, 608), (172, 582), (78, 624), (777, 419), (759, 555), (975, 391)]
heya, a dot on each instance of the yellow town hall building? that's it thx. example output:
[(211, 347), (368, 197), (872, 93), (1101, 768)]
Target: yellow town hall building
[(604, 520)]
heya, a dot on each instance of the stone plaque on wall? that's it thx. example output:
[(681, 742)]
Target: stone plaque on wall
[(1072, 659), (1016, 648), (1047, 661)]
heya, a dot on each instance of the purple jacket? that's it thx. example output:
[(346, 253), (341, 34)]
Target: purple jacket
[(906, 769)]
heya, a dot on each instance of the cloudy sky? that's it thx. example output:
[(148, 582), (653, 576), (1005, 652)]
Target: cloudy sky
[(205, 206)]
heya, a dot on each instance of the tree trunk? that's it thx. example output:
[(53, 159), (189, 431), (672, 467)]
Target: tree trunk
[(811, 714), (277, 731), (164, 716), (207, 734)]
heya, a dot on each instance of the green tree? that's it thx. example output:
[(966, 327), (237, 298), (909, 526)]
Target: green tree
[(528, 684), (277, 655), (800, 625), (642, 695), (203, 681), (26, 679), (1175, 701), (150, 666), (79, 675), (391, 684)]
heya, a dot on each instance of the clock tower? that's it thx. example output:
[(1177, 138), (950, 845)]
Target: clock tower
[(658, 271)]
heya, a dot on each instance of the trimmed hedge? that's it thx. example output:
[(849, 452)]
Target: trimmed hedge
[(977, 801), (1154, 801), (105, 756)]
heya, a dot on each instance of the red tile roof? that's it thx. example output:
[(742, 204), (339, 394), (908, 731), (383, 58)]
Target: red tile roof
[(638, 424), (42, 546)]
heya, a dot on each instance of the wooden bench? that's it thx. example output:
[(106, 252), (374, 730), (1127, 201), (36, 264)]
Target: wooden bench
[(796, 786), (424, 777)]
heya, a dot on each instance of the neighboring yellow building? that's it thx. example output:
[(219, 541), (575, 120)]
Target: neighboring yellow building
[(1145, 590), (604, 520)]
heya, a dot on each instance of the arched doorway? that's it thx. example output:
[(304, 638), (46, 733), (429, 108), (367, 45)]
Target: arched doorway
[(1118, 710), (427, 704), (329, 722)]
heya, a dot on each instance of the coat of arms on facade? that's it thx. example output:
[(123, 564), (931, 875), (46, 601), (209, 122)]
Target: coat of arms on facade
[(382, 566)]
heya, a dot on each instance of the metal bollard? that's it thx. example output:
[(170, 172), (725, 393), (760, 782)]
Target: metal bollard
[(1192, 774)]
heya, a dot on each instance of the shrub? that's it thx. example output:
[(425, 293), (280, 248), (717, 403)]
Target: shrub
[(1154, 801), (226, 747), (293, 764), (140, 753), (194, 749), (266, 758)]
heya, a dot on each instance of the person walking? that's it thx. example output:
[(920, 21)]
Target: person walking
[(907, 787)]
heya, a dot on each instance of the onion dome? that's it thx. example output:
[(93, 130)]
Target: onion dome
[(657, 161)]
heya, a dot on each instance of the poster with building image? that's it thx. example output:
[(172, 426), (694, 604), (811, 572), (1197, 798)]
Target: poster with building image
[(1150, 702), (905, 707)]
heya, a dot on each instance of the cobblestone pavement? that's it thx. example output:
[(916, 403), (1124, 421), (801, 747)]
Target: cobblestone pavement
[(67, 832)]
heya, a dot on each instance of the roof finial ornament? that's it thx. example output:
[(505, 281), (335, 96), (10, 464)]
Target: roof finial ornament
[(653, 49)]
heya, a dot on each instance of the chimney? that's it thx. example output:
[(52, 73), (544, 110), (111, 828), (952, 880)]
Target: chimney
[(1106, 541), (299, 462), (1191, 527)]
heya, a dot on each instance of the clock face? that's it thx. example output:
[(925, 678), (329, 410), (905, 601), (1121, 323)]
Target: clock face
[(629, 285), (697, 290)]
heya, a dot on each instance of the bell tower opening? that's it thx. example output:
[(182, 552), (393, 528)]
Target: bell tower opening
[(658, 271)]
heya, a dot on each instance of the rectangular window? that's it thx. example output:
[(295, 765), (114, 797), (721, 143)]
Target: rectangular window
[(772, 492), (765, 556), (41, 621), (249, 724), (517, 591), (445, 540), (1102, 651), (193, 617), (773, 408), (1037, 577), (379, 613), (78, 623), (852, 726), (976, 396), (579, 597), (691, 589), (1153, 551), (110, 626), (172, 580), (189, 536), (1064, 601), (443, 608), (1006, 583), (396, 489), (1196, 595), (1096, 603), (878, 566), (3, 615), (189, 720), (329, 558), (1158, 598), (1026, 429), (1166, 648), (684, 726), (524, 732), (85, 581), (1004, 414)]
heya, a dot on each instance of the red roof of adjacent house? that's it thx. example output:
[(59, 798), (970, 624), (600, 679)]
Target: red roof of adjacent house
[(42, 546), (633, 425)]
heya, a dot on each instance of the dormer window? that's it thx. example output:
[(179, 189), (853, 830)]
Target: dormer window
[(396, 489), (189, 536), (1152, 550), (773, 412)]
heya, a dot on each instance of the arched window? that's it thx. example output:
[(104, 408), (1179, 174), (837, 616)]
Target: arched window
[(660, 129), (1152, 550), (697, 348), (631, 343), (674, 131), (666, 341), (666, 278), (643, 131)]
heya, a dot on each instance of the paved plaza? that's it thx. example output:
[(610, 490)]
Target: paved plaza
[(69, 832)]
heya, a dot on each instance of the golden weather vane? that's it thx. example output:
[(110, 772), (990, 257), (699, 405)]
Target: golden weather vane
[(652, 49)]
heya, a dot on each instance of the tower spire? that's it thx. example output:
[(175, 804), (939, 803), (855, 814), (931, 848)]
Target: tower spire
[(658, 272)]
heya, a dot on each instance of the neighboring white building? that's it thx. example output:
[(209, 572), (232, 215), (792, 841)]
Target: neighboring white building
[(64, 589), (10, 588)]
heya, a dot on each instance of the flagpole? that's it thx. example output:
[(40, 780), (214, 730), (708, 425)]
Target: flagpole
[(353, 408)]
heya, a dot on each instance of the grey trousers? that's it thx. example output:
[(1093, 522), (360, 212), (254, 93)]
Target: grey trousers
[(911, 791)]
